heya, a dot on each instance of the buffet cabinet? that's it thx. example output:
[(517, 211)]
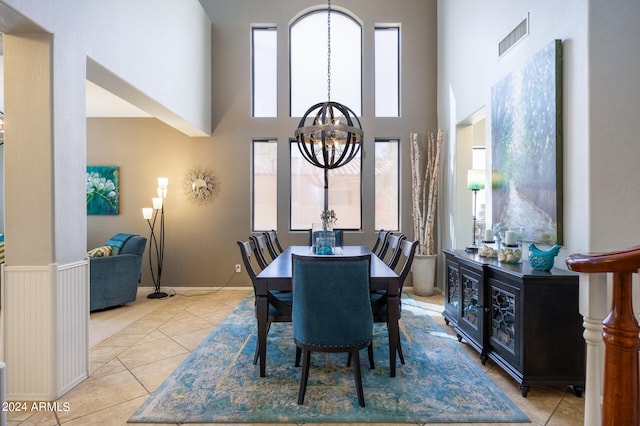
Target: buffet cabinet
[(526, 321)]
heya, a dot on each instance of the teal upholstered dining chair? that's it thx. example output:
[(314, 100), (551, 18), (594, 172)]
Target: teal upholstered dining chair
[(279, 302), (406, 250), (331, 310)]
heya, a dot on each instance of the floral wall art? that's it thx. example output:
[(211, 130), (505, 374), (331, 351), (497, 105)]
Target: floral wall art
[(526, 138), (103, 190)]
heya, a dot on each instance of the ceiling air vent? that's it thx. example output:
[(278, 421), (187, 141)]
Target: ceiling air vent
[(517, 34)]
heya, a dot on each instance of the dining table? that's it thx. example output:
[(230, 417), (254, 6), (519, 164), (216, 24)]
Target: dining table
[(278, 276)]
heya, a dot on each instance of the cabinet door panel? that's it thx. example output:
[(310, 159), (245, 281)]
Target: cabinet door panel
[(471, 294), (505, 330), (452, 293)]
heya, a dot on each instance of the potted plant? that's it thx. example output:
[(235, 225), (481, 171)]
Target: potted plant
[(425, 176)]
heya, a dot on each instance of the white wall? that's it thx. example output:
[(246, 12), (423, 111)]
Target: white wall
[(154, 54), (468, 34), (163, 50), (46, 48), (614, 124), (201, 240)]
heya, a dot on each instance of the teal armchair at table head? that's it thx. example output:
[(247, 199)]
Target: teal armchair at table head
[(331, 310)]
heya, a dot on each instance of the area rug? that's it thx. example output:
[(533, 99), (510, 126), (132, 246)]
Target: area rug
[(218, 382)]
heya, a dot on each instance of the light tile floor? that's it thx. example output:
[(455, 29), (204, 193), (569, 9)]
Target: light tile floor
[(135, 347)]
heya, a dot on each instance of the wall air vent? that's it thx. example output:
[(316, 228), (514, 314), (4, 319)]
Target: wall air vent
[(517, 34)]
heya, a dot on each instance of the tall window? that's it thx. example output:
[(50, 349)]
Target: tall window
[(387, 71), (387, 189), (265, 185), (307, 192), (309, 86), (308, 61), (264, 72)]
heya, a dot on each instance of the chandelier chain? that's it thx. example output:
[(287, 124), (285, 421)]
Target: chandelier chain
[(329, 50)]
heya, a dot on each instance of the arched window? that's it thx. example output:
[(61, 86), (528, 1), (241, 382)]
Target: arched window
[(308, 61), (310, 74)]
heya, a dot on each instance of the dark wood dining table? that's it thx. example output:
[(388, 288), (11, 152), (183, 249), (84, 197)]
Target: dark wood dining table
[(277, 276)]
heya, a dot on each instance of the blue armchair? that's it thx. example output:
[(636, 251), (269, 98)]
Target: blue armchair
[(114, 279)]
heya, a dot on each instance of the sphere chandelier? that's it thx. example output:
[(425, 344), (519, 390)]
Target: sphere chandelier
[(334, 137)]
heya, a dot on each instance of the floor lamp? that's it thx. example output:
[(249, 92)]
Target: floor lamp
[(475, 182), (156, 239)]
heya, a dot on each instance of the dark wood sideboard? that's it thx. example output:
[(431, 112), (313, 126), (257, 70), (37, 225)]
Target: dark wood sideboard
[(526, 321)]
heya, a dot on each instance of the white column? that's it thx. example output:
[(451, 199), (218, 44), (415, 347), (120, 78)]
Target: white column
[(594, 307), (45, 283)]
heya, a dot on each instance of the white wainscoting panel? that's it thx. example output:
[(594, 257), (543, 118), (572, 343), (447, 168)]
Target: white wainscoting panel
[(46, 320), (73, 325)]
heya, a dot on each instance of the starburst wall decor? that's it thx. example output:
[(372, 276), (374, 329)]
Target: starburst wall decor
[(201, 185)]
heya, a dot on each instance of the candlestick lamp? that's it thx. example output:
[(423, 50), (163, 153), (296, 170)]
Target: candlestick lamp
[(156, 242), (475, 182)]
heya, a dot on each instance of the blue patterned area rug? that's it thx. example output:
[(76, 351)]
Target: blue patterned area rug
[(218, 382)]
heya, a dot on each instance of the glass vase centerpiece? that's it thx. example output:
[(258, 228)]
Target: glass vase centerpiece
[(325, 240)]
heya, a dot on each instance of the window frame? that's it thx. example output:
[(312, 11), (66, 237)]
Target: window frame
[(359, 110), (399, 178), (376, 71), (254, 141), (293, 144), (254, 29)]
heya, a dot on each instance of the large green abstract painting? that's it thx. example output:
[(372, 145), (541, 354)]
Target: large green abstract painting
[(526, 142), (103, 190)]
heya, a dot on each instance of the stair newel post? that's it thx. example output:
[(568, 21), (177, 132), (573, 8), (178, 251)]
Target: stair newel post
[(620, 329), (620, 335)]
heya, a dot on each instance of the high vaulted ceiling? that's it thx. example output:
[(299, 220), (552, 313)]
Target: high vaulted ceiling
[(100, 102)]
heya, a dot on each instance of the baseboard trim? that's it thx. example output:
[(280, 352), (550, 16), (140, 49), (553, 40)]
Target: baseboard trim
[(236, 288), (168, 289)]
